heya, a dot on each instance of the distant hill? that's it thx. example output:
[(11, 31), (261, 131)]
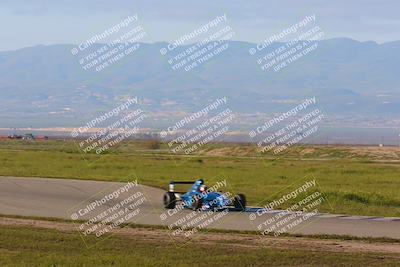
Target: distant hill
[(349, 78)]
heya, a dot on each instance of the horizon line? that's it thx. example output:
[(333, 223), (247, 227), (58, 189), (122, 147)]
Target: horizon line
[(238, 41)]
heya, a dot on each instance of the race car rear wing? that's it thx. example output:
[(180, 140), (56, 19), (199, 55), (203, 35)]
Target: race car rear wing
[(172, 185)]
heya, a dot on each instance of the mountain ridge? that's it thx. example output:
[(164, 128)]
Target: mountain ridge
[(348, 77)]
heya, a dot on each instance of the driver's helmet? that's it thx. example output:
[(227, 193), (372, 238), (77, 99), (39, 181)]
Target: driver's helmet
[(203, 188)]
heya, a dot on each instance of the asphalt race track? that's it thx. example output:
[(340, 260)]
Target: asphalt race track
[(66, 198)]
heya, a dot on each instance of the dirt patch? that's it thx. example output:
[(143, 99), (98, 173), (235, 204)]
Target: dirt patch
[(227, 239), (218, 152), (227, 151), (307, 151), (376, 152)]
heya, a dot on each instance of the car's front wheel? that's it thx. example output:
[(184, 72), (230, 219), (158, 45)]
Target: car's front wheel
[(240, 202)]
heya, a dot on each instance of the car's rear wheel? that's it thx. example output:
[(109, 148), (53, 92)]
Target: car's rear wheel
[(240, 202), (169, 200)]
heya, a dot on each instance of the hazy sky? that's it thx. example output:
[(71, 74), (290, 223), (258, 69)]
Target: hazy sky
[(27, 23)]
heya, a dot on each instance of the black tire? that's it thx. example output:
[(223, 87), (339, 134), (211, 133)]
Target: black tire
[(240, 202), (169, 200)]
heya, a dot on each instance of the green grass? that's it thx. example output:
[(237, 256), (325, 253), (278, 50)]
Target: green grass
[(22, 246), (360, 187)]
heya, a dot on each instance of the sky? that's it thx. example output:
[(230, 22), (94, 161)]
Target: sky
[(29, 23)]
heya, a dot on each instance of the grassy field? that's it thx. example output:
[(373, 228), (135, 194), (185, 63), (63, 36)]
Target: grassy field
[(27, 246), (355, 180)]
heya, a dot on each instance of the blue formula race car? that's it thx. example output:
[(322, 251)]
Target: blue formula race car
[(200, 197)]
